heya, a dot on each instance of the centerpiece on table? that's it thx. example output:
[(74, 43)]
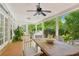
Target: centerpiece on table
[(50, 39)]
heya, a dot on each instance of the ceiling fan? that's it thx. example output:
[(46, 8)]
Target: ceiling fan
[(39, 11)]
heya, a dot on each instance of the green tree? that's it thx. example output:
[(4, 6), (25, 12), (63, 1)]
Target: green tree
[(72, 24), (49, 27), (50, 24), (61, 26), (31, 28), (39, 27)]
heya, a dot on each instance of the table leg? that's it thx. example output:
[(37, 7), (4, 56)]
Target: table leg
[(36, 46)]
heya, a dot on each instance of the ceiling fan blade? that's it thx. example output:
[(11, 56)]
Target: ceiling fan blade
[(46, 11), (43, 14), (35, 14), (31, 10)]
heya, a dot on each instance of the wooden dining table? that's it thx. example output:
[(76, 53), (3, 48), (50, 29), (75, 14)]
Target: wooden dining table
[(56, 49)]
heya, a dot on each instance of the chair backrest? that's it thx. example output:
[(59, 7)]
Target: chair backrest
[(29, 46), (38, 35)]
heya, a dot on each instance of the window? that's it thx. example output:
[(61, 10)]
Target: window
[(1, 28), (6, 29)]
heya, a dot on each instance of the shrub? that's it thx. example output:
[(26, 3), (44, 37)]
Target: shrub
[(18, 33)]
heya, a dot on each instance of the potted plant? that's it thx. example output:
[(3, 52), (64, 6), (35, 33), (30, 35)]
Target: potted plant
[(18, 34)]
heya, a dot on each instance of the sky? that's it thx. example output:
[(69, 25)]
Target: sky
[(63, 18)]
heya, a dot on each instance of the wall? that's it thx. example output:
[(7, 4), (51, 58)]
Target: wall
[(6, 20)]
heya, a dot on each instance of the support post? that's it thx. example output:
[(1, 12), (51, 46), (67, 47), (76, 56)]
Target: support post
[(27, 28), (57, 29), (36, 28), (43, 28)]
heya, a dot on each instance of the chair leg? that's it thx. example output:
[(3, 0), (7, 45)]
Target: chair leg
[(39, 53), (43, 53)]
